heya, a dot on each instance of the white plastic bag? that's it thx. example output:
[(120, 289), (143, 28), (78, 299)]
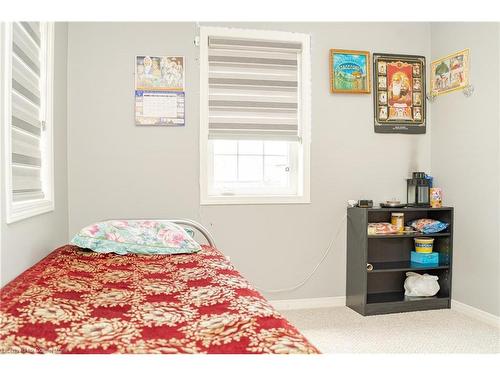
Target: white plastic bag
[(417, 285)]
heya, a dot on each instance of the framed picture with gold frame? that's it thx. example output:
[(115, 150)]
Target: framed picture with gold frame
[(399, 93), (450, 73), (349, 71)]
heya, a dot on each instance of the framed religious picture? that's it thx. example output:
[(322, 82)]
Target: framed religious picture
[(349, 71), (399, 93), (450, 73)]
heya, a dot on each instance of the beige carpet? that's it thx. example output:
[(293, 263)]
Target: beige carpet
[(341, 330)]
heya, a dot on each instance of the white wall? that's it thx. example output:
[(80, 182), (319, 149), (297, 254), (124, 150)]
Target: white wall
[(26, 242), (119, 170), (466, 161)]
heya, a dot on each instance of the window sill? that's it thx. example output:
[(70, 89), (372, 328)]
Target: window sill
[(244, 200), (25, 210)]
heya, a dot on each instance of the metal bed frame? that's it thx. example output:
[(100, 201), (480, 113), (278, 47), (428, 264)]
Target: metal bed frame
[(186, 223), (200, 228)]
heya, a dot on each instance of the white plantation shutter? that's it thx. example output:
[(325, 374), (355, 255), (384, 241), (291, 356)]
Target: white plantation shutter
[(253, 88), (27, 110)]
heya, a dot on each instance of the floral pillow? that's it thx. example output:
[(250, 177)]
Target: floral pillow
[(137, 237)]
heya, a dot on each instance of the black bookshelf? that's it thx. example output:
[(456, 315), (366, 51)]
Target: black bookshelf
[(381, 291)]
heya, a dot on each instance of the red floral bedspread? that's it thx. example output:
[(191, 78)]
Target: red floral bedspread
[(77, 301)]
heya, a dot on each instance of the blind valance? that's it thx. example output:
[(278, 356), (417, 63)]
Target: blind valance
[(253, 88)]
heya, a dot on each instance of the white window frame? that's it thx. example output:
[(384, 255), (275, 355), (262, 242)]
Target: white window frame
[(280, 191), (16, 211), (304, 152)]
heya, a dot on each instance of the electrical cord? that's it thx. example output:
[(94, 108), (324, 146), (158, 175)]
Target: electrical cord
[(303, 282), (308, 277)]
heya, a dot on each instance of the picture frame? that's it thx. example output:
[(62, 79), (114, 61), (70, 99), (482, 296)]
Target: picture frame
[(450, 73), (350, 71), (399, 100)]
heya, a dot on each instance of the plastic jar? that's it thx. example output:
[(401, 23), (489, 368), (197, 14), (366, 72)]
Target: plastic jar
[(423, 244), (398, 219)]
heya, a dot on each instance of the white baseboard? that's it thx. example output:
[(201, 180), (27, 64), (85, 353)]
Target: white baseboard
[(477, 314), (308, 303)]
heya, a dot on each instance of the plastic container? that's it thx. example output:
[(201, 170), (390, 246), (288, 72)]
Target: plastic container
[(423, 244), (398, 219), (436, 197), (425, 258)]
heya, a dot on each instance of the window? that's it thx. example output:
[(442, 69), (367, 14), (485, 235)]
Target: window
[(250, 167), (27, 73), (255, 116)]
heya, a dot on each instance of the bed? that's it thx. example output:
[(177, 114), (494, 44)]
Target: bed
[(79, 301)]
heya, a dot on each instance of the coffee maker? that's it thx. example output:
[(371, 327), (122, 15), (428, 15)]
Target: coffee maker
[(418, 190)]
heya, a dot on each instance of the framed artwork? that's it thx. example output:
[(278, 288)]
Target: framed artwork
[(349, 71), (450, 73), (399, 93)]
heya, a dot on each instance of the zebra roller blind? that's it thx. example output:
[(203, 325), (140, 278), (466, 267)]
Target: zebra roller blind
[(27, 110), (253, 88)]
